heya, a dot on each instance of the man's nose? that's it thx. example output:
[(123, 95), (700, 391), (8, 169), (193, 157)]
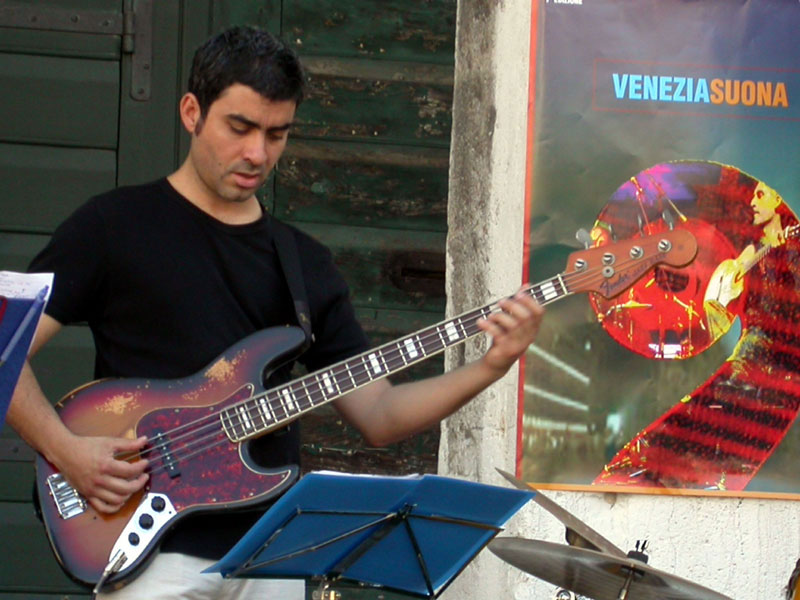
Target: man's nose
[(256, 150)]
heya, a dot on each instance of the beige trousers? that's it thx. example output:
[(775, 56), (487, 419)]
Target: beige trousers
[(172, 576)]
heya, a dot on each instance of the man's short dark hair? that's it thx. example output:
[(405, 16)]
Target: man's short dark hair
[(248, 56)]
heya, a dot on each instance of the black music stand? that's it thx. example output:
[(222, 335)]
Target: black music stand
[(408, 534)]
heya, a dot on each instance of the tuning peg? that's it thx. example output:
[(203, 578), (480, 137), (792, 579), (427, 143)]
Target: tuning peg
[(640, 223), (669, 219), (583, 237)]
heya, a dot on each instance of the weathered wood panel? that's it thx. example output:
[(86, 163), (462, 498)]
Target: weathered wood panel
[(17, 250), (386, 268), (330, 443), (366, 185), (412, 30), (66, 362), (59, 43), (42, 185), (385, 102), (60, 101), (22, 537), (265, 14)]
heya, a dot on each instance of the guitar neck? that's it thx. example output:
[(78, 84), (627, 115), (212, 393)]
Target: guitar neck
[(276, 407)]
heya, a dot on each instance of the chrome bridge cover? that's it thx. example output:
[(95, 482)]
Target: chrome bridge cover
[(68, 501)]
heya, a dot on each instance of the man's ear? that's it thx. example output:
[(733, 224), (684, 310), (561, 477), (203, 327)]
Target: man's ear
[(189, 109)]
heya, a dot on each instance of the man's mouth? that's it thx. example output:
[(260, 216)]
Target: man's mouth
[(247, 180)]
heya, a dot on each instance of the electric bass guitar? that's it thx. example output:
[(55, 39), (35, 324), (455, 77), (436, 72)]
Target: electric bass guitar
[(196, 426)]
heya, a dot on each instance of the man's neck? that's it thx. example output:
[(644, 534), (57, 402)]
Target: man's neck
[(186, 183), (773, 232)]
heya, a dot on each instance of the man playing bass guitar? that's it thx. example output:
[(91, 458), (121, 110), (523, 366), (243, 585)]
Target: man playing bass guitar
[(171, 273)]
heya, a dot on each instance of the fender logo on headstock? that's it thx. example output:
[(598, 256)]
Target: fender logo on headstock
[(624, 279)]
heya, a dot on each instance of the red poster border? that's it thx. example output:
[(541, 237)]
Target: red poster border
[(526, 244)]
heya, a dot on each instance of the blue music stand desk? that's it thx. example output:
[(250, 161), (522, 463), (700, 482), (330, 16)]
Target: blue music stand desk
[(408, 534), (22, 300)]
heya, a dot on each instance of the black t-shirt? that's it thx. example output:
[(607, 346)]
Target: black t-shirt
[(166, 288)]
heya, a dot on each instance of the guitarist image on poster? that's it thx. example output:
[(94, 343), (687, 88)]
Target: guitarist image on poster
[(727, 282), (178, 280)]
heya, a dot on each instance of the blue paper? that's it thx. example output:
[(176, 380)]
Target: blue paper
[(22, 300)]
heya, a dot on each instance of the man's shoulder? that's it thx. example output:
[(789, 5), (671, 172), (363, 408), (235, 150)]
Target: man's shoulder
[(128, 195)]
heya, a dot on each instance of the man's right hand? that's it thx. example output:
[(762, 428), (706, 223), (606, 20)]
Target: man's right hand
[(98, 469)]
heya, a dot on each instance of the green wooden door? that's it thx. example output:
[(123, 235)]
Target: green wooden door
[(83, 88), (365, 172)]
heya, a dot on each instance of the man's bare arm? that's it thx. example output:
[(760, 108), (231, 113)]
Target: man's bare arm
[(87, 462), (384, 413)]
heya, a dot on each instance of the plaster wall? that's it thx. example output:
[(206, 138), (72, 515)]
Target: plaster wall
[(744, 548)]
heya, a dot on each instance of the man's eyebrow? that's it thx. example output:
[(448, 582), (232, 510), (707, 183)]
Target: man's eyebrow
[(250, 123)]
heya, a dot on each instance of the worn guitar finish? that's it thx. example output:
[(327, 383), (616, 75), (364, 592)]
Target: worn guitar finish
[(213, 472), (196, 426)]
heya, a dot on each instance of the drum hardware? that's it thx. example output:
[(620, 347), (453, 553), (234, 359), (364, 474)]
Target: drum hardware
[(591, 567)]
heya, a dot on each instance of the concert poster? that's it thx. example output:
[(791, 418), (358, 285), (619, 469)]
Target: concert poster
[(647, 117)]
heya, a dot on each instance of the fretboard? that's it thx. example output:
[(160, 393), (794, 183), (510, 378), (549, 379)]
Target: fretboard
[(276, 407)]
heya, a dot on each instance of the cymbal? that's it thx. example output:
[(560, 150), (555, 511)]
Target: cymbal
[(597, 575), (578, 533)]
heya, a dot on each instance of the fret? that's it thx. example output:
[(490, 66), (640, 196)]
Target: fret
[(367, 370), (320, 389), (227, 424), (298, 389), (411, 350), (374, 364), (342, 376), (472, 326), (441, 337), (255, 413), (564, 290), (329, 389), (422, 350), (266, 410), (452, 332), (432, 344), (241, 410), (276, 403), (318, 381), (306, 392), (283, 403), (400, 349), (387, 357), (335, 381), (463, 329), (289, 400), (350, 374), (549, 291)]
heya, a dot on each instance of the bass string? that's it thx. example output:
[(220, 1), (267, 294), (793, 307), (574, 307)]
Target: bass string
[(210, 426)]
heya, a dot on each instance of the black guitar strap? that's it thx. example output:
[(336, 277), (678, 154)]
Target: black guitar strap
[(286, 247)]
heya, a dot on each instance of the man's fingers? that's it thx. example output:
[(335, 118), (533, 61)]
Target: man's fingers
[(119, 489), (125, 469), (103, 506)]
